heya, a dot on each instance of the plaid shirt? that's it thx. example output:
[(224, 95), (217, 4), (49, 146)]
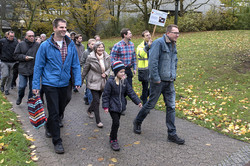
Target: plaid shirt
[(63, 50), (125, 53)]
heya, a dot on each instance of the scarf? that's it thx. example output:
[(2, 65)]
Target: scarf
[(101, 61)]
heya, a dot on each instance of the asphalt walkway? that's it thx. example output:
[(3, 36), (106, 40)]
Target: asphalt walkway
[(87, 145)]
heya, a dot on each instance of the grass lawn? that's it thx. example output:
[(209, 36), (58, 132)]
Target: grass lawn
[(212, 88), (14, 144)]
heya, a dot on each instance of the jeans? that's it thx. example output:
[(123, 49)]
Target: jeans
[(88, 95), (23, 80), (145, 92), (7, 74), (166, 88), (56, 98), (115, 124)]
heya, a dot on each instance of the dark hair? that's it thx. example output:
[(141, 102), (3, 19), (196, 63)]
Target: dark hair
[(57, 20), (96, 36), (124, 31), (143, 33), (170, 27), (77, 36)]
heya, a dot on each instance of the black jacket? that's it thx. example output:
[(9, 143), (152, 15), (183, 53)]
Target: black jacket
[(23, 49), (113, 95), (7, 49)]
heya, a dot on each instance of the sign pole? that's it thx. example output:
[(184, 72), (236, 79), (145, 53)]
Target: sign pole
[(153, 32)]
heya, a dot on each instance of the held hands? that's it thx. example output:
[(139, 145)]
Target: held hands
[(106, 110), (140, 105)]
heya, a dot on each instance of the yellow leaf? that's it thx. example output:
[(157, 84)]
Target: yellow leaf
[(1, 137), (84, 149), (111, 164), (1, 161), (78, 135), (137, 142), (225, 130), (34, 158), (86, 124), (100, 159), (223, 103), (32, 147), (67, 134), (127, 145), (113, 160), (208, 144), (90, 165), (96, 130)]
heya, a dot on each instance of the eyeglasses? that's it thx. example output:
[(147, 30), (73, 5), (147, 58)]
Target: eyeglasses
[(176, 33), (30, 35)]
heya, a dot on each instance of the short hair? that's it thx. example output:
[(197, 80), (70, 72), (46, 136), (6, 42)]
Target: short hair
[(97, 44), (72, 33), (57, 20), (77, 36), (143, 33), (26, 34), (124, 31), (170, 27), (11, 32), (91, 40), (43, 35), (96, 36)]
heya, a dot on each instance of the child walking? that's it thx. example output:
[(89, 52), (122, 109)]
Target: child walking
[(114, 101)]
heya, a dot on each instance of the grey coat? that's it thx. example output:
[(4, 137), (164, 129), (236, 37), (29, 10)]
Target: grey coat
[(93, 71)]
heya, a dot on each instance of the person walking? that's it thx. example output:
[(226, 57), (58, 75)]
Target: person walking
[(25, 53), (113, 99), (55, 59), (142, 57), (97, 69), (124, 51), (162, 69), (87, 95), (7, 47)]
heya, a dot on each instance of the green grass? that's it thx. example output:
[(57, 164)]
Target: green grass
[(212, 87), (14, 146)]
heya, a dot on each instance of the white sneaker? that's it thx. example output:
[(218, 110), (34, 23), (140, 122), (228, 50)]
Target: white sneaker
[(91, 115), (100, 125)]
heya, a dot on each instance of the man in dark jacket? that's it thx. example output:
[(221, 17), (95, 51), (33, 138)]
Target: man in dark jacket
[(7, 47), (25, 53)]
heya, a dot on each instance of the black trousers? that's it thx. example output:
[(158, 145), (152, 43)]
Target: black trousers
[(94, 106), (115, 124), (145, 92), (56, 103), (129, 74)]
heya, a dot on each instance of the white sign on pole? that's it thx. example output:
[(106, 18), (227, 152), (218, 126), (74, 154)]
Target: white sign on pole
[(158, 17)]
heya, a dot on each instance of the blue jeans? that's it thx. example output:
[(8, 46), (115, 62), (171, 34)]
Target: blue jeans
[(166, 88), (22, 85)]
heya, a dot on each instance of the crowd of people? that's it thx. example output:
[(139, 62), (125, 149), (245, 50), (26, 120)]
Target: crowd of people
[(60, 64)]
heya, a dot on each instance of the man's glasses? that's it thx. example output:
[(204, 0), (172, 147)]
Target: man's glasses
[(30, 35), (176, 33)]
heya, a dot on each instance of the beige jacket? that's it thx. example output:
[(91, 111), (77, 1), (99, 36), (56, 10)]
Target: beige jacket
[(92, 70)]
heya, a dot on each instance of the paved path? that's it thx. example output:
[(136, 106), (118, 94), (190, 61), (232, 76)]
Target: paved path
[(87, 145)]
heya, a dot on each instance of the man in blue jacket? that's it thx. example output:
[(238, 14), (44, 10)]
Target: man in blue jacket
[(55, 59), (162, 74)]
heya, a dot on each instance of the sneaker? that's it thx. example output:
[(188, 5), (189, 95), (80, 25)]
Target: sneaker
[(137, 127), (176, 139), (7, 92), (100, 125), (59, 148), (2, 88), (114, 145), (19, 101), (90, 114)]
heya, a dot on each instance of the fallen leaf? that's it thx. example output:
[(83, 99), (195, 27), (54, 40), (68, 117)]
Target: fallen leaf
[(67, 134), (28, 161), (34, 158), (1, 161), (96, 130), (1, 137), (86, 124), (100, 159), (208, 144), (32, 147), (84, 149), (113, 160), (137, 142), (127, 145), (78, 135), (111, 164)]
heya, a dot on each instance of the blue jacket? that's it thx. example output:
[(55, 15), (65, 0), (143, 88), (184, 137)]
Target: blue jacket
[(50, 68), (162, 60), (113, 96)]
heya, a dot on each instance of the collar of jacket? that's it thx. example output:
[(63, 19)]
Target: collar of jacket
[(67, 39)]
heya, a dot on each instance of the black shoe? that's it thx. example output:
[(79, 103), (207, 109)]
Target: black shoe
[(137, 127), (47, 133), (60, 123), (75, 90), (176, 139), (86, 101), (2, 88), (114, 145), (19, 101), (59, 148), (7, 92)]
